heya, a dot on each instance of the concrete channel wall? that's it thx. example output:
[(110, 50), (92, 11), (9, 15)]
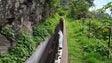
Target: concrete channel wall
[(48, 53), (65, 47)]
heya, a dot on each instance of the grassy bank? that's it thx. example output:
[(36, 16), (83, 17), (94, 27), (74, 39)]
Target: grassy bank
[(75, 49), (87, 44)]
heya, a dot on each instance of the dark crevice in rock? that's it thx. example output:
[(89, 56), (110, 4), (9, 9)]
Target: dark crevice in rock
[(10, 20)]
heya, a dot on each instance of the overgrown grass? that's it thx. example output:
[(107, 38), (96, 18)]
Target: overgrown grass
[(26, 44), (75, 49), (84, 46)]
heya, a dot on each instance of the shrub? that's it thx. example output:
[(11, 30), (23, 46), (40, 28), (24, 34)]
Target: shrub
[(26, 43)]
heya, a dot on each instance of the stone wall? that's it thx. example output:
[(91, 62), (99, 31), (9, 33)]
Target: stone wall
[(20, 14)]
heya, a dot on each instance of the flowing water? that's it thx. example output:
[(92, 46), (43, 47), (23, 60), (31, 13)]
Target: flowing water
[(40, 49), (59, 54)]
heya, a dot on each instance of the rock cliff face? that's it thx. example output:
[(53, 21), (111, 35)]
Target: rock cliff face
[(20, 14)]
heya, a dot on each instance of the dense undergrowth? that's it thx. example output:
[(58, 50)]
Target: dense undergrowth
[(26, 43), (88, 41)]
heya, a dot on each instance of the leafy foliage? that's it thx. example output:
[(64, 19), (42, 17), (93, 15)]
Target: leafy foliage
[(24, 49), (8, 31), (77, 6), (53, 5), (26, 44), (90, 37)]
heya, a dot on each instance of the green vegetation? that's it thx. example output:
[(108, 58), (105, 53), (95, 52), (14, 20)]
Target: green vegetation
[(52, 5), (88, 43), (26, 43), (75, 8), (75, 49), (89, 33), (8, 31)]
